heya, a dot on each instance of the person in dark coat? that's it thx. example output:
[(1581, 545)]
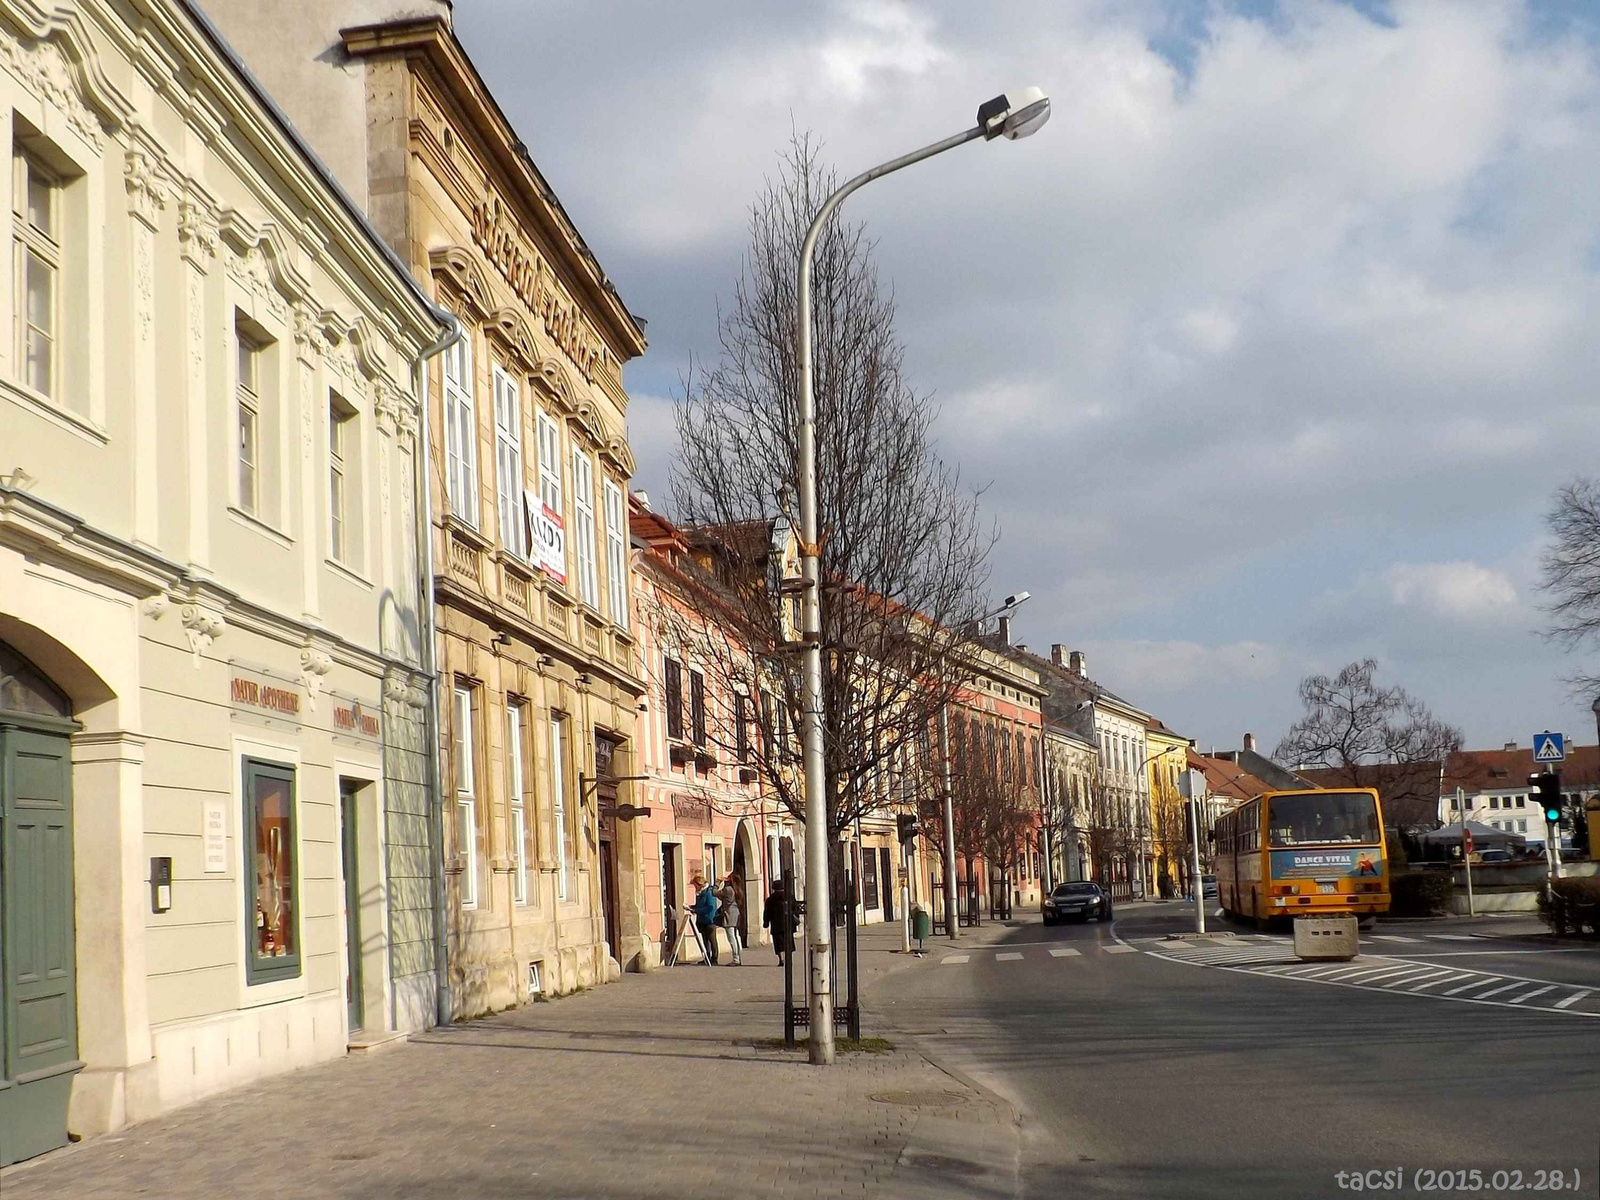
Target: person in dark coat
[(772, 917)]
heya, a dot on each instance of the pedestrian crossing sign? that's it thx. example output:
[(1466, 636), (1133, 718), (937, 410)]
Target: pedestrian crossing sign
[(1549, 747)]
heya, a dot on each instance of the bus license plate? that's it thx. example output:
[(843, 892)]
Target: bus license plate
[(1327, 889)]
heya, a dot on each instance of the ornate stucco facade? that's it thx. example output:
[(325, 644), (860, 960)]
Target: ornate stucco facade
[(210, 695)]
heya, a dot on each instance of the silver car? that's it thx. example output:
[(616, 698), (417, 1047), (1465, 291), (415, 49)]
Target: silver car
[(1077, 902)]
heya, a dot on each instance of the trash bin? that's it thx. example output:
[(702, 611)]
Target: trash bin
[(921, 924)]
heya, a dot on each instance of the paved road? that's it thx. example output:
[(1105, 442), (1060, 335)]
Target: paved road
[(1229, 1069)]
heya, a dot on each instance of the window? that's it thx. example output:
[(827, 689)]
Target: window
[(515, 723), (508, 462), (711, 863), (249, 405), (583, 527), (36, 200), (549, 462), (1522, 825), (558, 808), (466, 797), (272, 896), (1494, 801), (341, 451), (741, 728), (673, 685), (697, 707), (1522, 802), (617, 553), (460, 432)]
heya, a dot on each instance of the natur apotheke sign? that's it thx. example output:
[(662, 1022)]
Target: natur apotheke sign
[(252, 691)]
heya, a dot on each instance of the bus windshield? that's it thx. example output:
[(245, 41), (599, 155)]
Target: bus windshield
[(1322, 817)]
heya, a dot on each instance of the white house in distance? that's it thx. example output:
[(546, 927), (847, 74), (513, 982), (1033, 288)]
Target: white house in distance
[(1494, 787)]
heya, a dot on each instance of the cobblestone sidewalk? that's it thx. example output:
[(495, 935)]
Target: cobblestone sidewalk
[(657, 1085)]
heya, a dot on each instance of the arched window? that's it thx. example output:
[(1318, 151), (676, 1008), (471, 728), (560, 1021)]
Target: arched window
[(25, 689)]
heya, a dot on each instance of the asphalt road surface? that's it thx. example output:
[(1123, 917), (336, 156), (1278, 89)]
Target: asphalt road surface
[(1145, 1067)]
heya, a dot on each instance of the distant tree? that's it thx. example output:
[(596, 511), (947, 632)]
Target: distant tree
[(1369, 736), (1571, 571)]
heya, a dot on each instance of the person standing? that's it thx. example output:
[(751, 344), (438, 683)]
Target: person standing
[(728, 914), (773, 915), (704, 909)]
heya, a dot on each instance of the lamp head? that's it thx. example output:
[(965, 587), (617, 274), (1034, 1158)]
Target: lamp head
[(1015, 114), (1013, 601)]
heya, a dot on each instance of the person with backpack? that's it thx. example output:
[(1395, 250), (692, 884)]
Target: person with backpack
[(705, 908)]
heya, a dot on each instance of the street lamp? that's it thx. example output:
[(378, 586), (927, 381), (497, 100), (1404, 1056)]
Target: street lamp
[(1004, 116)]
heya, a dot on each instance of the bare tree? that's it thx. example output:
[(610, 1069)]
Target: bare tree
[(1365, 735), (1105, 817), (904, 557), (1571, 571), (1170, 812)]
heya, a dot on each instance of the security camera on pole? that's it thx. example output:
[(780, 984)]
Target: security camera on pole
[(1010, 116)]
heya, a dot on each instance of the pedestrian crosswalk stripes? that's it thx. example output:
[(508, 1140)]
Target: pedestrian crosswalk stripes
[(952, 959), (1011, 957), (1392, 937), (1065, 952), (1120, 949)]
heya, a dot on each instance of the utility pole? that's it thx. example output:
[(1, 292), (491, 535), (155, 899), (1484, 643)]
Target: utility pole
[(1197, 885), (1466, 849), (951, 920)]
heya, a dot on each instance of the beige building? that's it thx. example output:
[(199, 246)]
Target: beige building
[(538, 689), (210, 697)]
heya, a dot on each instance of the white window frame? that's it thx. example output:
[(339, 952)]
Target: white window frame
[(549, 435), (558, 806), (41, 244), (583, 527), (340, 422), (508, 461), (247, 392), (460, 432), (616, 553), (466, 796), (515, 783)]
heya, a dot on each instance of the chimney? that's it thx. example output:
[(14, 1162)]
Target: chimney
[(644, 500), (1005, 629), (1250, 742), (1058, 654), (1077, 664), (1510, 746)]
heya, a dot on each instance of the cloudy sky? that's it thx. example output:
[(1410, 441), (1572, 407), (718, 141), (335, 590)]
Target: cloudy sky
[(1270, 347)]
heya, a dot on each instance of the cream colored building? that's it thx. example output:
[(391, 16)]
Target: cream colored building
[(532, 626), (210, 699)]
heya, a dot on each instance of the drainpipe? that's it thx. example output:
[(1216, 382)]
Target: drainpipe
[(424, 459)]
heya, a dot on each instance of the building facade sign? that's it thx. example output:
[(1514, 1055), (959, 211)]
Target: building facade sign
[(256, 692)]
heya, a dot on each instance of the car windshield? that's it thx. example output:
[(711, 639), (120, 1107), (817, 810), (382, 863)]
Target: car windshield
[(1078, 889), (1318, 818)]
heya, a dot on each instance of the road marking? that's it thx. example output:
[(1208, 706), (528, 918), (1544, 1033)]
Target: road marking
[(1414, 978), (1347, 971), (1549, 987), (1498, 990), (1066, 953), (1451, 937), (948, 959), (1466, 987), (1013, 957), (1119, 949), (1433, 983), (1391, 937), (1374, 974), (1572, 999)]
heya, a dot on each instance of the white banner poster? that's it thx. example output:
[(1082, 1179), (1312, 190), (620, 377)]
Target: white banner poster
[(547, 538)]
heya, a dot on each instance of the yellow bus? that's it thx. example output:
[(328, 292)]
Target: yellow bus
[(1303, 853)]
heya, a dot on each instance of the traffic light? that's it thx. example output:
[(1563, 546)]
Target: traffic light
[(907, 823), (1548, 786)]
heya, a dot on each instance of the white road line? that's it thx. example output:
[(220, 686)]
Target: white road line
[(950, 959), (1119, 949), (1382, 972), (1414, 978), (1572, 999), (1346, 971), (1465, 987), (1498, 990), (1066, 954), (1391, 937), (1549, 987), (1433, 983), (1451, 937), (1012, 957)]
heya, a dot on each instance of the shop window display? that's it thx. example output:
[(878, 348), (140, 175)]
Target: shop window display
[(271, 881)]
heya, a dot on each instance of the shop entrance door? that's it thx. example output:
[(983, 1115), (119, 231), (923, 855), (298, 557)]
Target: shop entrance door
[(670, 852), (38, 997), (353, 999), (890, 884)]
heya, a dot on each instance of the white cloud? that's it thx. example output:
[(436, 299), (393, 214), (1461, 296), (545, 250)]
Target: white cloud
[(1451, 589)]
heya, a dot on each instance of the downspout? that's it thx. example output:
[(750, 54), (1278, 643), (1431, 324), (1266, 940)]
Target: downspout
[(441, 934)]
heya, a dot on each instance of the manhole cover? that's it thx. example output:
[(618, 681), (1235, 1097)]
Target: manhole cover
[(914, 1098), (942, 1163)]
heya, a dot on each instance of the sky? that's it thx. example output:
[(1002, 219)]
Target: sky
[(1268, 351)]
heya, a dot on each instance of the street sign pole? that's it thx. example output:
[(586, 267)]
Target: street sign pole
[(1197, 883), (1466, 848)]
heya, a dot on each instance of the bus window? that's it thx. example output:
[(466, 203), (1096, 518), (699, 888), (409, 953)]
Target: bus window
[(1322, 817)]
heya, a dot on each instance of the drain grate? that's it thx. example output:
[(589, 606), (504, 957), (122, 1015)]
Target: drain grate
[(924, 1098)]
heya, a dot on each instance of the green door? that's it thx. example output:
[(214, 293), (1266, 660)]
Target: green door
[(38, 1002)]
